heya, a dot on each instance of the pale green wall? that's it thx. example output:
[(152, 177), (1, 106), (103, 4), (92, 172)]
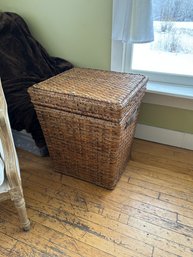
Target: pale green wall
[(167, 117), (78, 30)]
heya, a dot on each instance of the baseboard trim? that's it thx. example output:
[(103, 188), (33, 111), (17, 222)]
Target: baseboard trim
[(164, 136)]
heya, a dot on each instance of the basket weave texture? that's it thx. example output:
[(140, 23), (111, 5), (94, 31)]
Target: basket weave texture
[(88, 118)]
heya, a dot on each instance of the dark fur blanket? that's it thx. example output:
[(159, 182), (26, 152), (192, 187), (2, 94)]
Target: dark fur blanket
[(23, 62)]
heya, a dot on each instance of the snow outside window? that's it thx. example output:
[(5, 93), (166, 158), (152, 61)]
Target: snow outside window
[(171, 53)]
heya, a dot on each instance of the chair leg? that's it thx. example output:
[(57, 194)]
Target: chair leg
[(20, 206)]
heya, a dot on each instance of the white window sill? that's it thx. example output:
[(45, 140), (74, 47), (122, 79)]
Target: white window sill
[(171, 95), (170, 89)]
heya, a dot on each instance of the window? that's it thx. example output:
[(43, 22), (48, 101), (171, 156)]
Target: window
[(170, 57)]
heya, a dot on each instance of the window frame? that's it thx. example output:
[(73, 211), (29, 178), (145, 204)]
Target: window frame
[(162, 89), (177, 79)]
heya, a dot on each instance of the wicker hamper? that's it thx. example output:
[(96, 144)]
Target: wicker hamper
[(88, 118)]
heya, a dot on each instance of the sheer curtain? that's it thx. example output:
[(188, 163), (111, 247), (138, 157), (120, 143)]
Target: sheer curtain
[(132, 21)]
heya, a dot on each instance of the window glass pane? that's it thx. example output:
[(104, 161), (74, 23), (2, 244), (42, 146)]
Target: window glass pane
[(172, 49)]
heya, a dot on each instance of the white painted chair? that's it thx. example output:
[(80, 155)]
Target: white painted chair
[(10, 180)]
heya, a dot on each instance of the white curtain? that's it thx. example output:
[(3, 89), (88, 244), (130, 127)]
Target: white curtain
[(132, 21)]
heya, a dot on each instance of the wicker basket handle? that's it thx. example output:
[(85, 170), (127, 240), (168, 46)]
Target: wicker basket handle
[(132, 118)]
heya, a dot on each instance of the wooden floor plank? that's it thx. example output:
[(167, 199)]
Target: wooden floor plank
[(24, 250), (105, 198), (161, 188), (80, 226), (162, 171), (153, 230), (4, 253), (122, 184), (61, 239), (6, 242), (170, 152), (110, 209), (148, 214), (36, 241), (156, 161), (148, 172), (177, 238), (181, 242), (130, 199), (149, 237), (176, 201), (77, 233), (185, 221), (160, 253), (67, 193)]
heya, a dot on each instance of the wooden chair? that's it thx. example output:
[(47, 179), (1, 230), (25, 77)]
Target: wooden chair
[(10, 180)]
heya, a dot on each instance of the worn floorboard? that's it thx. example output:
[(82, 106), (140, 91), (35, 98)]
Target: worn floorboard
[(148, 214)]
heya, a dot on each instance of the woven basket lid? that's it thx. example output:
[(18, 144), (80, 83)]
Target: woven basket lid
[(97, 93)]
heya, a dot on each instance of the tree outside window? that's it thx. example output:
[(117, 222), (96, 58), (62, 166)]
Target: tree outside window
[(172, 50)]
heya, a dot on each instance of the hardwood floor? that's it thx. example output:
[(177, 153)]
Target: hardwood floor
[(149, 213)]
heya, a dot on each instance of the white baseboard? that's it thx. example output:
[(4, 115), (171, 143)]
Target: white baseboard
[(164, 136)]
